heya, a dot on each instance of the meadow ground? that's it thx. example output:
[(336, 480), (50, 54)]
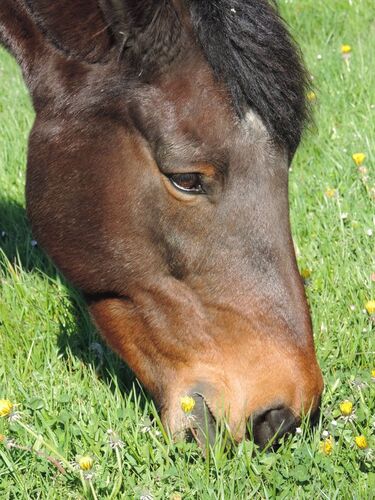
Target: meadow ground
[(70, 389)]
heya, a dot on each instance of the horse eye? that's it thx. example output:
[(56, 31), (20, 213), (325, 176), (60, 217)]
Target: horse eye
[(189, 183)]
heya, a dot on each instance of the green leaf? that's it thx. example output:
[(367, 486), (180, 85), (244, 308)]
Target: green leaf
[(35, 404), (301, 474), (38, 443)]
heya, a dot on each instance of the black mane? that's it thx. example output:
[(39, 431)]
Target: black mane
[(249, 48)]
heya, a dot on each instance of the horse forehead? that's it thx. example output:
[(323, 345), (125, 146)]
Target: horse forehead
[(192, 105), (253, 124), (178, 111)]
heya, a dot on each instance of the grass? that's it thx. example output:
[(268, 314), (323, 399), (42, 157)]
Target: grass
[(70, 389)]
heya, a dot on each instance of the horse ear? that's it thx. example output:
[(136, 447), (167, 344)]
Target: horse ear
[(77, 27), (147, 32)]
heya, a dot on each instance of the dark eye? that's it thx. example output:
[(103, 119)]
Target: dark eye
[(188, 183)]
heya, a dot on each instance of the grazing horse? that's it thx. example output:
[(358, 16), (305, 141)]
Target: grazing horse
[(157, 181)]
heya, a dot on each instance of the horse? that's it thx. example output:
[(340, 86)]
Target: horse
[(157, 182)]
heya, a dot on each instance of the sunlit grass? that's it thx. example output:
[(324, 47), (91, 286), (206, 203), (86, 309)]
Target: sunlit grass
[(69, 390)]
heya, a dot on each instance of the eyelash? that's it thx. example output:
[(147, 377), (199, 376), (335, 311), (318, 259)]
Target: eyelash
[(192, 179)]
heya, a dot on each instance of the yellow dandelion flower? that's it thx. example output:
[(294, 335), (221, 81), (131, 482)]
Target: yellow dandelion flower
[(311, 96), (305, 273), (330, 192), (345, 49), (326, 446), (346, 408), (2, 438), (373, 373), (85, 463), (361, 442), (6, 407), (187, 404), (370, 306), (358, 158)]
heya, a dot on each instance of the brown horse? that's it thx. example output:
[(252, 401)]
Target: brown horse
[(157, 181)]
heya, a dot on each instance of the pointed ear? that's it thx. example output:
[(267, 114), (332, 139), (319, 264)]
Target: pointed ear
[(148, 33), (77, 27)]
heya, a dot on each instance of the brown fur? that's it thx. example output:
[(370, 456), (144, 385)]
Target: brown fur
[(189, 290)]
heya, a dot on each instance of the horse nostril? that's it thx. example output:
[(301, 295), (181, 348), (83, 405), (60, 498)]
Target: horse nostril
[(272, 424)]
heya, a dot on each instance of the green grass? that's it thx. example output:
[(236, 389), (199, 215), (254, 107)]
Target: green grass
[(70, 389)]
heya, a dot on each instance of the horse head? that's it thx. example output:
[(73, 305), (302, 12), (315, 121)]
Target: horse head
[(157, 181)]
